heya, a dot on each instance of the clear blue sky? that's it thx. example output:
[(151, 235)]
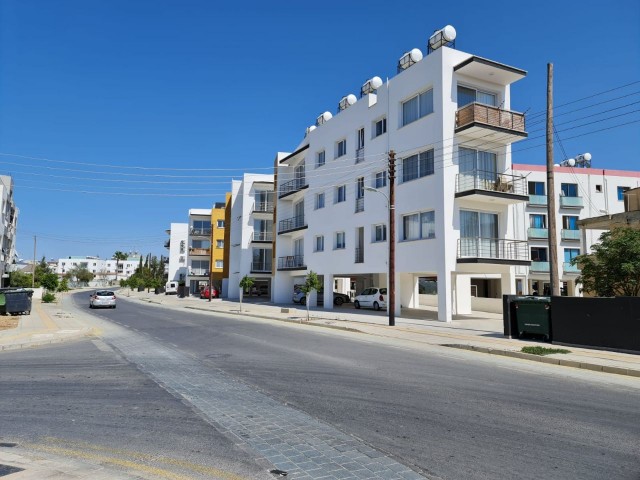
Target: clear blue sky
[(191, 85)]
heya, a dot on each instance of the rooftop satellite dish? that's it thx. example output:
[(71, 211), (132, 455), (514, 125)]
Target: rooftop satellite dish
[(409, 58), (442, 37)]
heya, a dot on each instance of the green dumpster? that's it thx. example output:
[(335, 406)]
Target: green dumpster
[(533, 316), (3, 303)]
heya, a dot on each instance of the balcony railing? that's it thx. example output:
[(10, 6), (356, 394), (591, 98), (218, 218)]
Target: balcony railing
[(199, 251), (494, 249), (292, 186), (167, 244), (291, 262), (263, 207), (491, 181), (359, 154), (538, 233), (538, 200), (359, 257), (360, 204), (201, 232), (261, 266), (568, 268), (292, 223), (573, 235), (198, 272), (491, 116), (542, 267), (262, 237), (570, 202)]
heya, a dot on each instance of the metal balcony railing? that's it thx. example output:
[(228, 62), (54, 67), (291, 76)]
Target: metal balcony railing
[(493, 248), (292, 186), (291, 262), (261, 266), (263, 207), (262, 237), (570, 234), (360, 204), (491, 116), (570, 202), (201, 232), (359, 257), (491, 182), (199, 251), (538, 233), (198, 272), (359, 154), (291, 223), (542, 267), (538, 200)]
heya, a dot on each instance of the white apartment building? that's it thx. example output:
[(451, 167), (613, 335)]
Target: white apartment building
[(198, 249), (448, 118), (580, 193), (251, 236), (177, 246), (8, 225), (105, 271)]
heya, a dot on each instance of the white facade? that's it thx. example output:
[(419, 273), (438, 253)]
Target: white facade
[(580, 193), (105, 271), (8, 225), (177, 245), (251, 236), (454, 208), (198, 249)]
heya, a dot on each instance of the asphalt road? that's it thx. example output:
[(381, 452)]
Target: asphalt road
[(445, 414)]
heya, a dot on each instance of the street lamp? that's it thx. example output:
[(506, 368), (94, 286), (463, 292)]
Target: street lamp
[(391, 291)]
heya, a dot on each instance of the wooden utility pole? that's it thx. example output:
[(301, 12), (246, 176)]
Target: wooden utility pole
[(392, 239), (551, 197)]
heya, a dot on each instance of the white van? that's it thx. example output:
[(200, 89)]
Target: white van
[(171, 288)]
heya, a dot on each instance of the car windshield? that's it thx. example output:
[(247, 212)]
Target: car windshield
[(104, 293)]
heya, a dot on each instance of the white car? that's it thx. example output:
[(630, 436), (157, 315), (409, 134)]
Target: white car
[(372, 297), (102, 298)]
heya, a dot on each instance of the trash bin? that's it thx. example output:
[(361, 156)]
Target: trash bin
[(3, 303), (18, 301), (533, 316)]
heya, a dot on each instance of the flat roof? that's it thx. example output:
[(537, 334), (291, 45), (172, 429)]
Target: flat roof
[(490, 71), (291, 155)]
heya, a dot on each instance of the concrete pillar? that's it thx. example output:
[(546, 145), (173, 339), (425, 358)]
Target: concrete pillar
[(462, 294), (507, 283), (444, 296), (408, 292), (328, 292)]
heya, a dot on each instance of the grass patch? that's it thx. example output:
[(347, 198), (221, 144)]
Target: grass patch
[(543, 350)]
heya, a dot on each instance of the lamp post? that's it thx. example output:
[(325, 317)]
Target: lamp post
[(391, 262)]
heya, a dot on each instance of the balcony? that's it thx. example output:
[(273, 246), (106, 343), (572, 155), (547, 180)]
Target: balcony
[(539, 267), (291, 262), (360, 155), (538, 233), (292, 186), (568, 268), (493, 250), (360, 204), (359, 257), (198, 272), (167, 244), (490, 124), (291, 224), (200, 232), (537, 201), (483, 186), (262, 237), (261, 267), (570, 235), (570, 202), (263, 207), (199, 251)]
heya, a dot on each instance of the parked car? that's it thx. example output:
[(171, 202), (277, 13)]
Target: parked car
[(372, 297), (204, 293), (171, 288), (102, 298), (338, 298)]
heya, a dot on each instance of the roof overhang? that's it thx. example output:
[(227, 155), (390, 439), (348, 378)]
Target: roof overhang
[(294, 156), (607, 222), (490, 71)]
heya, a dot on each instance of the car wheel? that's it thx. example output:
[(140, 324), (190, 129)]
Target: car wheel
[(113, 306), (356, 304), (376, 306), (90, 306), (303, 301), (339, 301)]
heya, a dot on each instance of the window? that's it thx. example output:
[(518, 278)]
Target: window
[(360, 187), (418, 226), (341, 194), (570, 254), (200, 244), (380, 180), (569, 189), (380, 233), (341, 148), (418, 165), (468, 95), (319, 200), (379, 127), (219, 243), (478, 225), (201, 227), (340, 241), (539, 254), (219, 263), (536, 188), (537, 221), (417, 107), (319, 244), (599, 188), (220, 223), (320, 159), (621, 191), (360, 138)]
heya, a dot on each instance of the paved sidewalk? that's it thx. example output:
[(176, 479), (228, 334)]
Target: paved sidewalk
[(481, 332)]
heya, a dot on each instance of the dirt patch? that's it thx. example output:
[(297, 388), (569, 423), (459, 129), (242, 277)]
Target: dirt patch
[(8, 322)]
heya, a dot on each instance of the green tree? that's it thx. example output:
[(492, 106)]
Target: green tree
[(63, 286), (19, 279), (245, 284), (311, 282), (80, 274), (119, 256), (613, 269), (42, 269), (49, 282)]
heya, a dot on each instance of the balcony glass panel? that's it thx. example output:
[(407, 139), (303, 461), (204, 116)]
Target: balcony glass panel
[(570, 202), (568, 268), (539, 267), (570, 234), (540, 200), (538, 233)]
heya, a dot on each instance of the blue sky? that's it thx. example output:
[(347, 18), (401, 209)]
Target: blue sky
[(176, 87)]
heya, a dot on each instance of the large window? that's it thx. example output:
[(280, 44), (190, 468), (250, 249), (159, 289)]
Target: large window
[(539, 254), (536, 188), (468, 95), (380, 233), (418, 226), (478, 224), (569, 189), (340, 241), (341, 194), (570, 254), (537, 220), (570, 222), (379, 127), (320, 159), (319, 243), (319, 200), (417, 107), (201, 227), (380, 179), (484, 163), (418, 165), (341, 148)]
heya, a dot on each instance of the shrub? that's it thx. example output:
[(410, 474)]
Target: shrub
[(543, 350), (48, 298)]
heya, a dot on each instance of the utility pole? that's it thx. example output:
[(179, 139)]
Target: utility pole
[(551, 197), (33, 272), (211, 261), (392, 239)]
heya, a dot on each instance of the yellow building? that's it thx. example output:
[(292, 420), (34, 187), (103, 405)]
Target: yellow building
[(218, 246)]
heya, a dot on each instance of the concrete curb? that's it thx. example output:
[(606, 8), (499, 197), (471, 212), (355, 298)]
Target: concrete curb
[(49, 341), (549, 360)]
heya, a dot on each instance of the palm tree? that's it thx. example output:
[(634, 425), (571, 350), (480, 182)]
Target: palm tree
[(118, 256)]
